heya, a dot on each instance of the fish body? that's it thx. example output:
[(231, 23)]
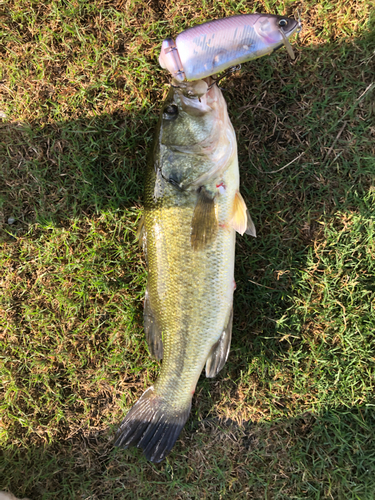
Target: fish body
[(217, 45), (192, 211)]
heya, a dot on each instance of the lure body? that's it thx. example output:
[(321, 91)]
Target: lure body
[(215, 46)]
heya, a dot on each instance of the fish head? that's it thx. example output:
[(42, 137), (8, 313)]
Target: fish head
[(196, 136), (190, 112)]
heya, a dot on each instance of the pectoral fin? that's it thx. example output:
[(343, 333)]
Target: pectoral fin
[(204, 225), (152, 330), (250, 227), (241, 220), (220, 350)]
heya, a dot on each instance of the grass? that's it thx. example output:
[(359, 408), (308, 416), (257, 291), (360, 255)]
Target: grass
[(291, 416)]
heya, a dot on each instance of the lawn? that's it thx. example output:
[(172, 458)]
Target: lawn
[(291, 415)]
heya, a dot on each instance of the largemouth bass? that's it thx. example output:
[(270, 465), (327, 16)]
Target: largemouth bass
[(193, 209)]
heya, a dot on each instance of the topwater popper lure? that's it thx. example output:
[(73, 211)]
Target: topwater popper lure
[(215, 46)]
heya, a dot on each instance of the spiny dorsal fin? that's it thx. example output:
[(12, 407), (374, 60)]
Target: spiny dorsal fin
[(241, 220), (204, 224)]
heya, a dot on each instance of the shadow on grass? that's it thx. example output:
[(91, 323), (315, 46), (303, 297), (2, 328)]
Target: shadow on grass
[(53, 173), (77, 170), (330, 456)]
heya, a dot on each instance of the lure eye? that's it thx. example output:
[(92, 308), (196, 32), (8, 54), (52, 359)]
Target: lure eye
[(283, 23), (171, 112)]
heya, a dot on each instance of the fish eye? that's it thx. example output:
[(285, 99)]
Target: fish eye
[(283, 23), (171, 111)]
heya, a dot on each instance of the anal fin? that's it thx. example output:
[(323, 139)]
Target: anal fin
[(220, 350), (152, 330), (204, 225)]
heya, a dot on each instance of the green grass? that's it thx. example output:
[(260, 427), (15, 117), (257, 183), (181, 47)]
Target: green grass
[(291, 416)]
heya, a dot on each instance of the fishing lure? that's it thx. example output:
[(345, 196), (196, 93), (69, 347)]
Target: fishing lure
[(215, 46)]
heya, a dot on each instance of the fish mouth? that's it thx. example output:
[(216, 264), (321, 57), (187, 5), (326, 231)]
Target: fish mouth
[(196, 97)]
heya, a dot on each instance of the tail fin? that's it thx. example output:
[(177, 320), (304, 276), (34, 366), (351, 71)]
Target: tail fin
[(153, 425)]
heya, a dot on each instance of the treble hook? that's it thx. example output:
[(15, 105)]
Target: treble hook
[(228, 72)]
